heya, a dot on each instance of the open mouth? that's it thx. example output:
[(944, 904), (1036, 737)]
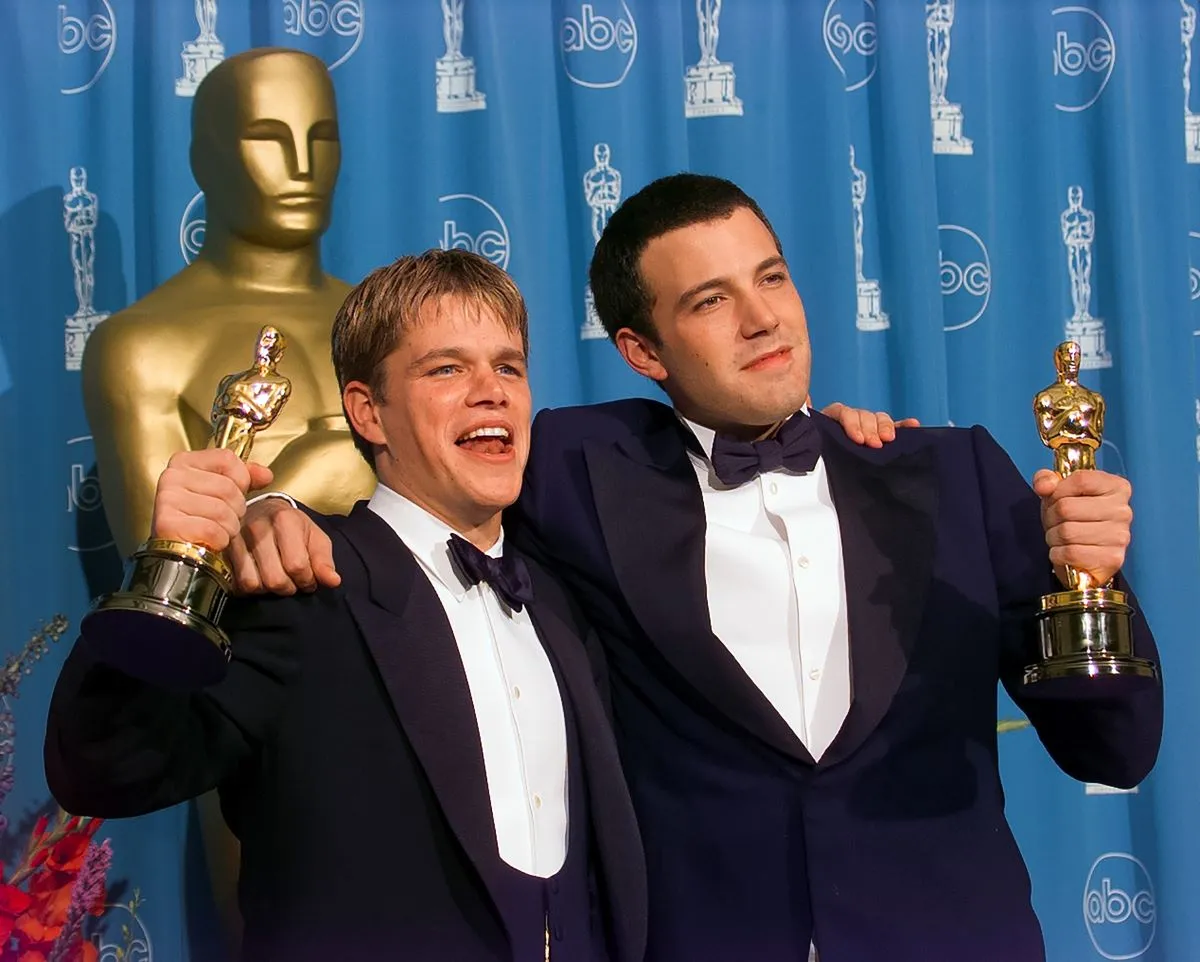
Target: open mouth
[(492, 440)]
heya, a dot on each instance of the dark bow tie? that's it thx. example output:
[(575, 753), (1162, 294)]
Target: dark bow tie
[(508, 575), (795, 446)]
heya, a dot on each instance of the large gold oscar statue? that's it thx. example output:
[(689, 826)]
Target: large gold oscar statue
[(266, 153), (265, 150)]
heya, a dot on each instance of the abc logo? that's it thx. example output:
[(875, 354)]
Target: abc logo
[(1084, 56), (316, 18), (599, 46), (1119, 908), (966, 276), (91, 33), (470, 223)]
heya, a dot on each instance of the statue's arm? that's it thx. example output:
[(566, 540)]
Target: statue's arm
[(131, 395)]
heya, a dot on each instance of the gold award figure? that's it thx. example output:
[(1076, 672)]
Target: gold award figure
[(248, 402), (163, 625), (265, 150), (1086, 630)]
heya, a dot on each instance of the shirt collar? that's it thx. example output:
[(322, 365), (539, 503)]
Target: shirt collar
[(706, 435), (426, 536)]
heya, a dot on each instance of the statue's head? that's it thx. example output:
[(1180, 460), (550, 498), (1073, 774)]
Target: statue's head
[(1066, 358), (78, 178), (270, 346), (265, 147), (1075, 197), (602, 154)]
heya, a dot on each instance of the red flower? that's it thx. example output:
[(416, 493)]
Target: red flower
[(13, 902)]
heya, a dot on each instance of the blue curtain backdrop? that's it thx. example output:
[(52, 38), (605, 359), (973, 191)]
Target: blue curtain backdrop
[(957, 186)]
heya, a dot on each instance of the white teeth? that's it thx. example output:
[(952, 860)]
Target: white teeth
[(486, 433)]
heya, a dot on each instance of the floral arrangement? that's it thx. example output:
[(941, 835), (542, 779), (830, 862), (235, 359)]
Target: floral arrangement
[(60, 880)]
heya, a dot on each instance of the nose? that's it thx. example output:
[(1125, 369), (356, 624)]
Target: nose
[(302, 152), (487, 389), (758, 317)]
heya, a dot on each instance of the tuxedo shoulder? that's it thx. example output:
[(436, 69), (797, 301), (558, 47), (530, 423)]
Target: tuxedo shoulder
[(608, 421)]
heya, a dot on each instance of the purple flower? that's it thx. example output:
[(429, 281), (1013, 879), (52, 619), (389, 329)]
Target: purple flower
[(88, 889)]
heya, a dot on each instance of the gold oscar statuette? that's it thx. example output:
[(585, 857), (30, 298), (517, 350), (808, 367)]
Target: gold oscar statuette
[(1085, 631), (163, 625)]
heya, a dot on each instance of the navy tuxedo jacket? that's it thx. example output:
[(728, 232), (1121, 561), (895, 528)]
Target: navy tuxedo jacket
[(894, 845), (346, 751)]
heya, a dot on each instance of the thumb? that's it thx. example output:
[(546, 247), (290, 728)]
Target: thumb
[(320, 554), (1044, 482), (260, 475)]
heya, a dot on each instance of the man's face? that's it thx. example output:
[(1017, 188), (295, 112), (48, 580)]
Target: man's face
[(455, 414), (274, 185), (734, 352)]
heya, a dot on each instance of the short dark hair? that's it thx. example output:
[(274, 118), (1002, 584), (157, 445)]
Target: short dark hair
[(666, 204), (388, 301)]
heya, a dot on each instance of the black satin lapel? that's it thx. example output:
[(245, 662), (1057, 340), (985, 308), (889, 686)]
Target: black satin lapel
[(887, 515), (652, 517), (410, 639), (613, 819)]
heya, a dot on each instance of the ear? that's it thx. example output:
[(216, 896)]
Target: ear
[(640, 354), (362, 411)]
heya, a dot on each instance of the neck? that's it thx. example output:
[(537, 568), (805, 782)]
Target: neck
[(731, 429), (479, 524), (482, 534), (249, 265)]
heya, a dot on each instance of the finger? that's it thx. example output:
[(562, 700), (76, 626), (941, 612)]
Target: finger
[(1101, 563), (179, 514), (320, 550), (291, 537), (245, 571), (175, 481), (1093, 483), (1105, 509), (260, 539), (1092, 534), (260, 475), (852, 423), (1044, 482), (214, 461), (908, 423), (885, 426)]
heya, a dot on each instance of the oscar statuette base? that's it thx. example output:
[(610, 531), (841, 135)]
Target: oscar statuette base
[(162, 626), (1087, 633)]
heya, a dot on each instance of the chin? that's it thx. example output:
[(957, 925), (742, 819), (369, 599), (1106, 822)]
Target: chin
[(496, 498)]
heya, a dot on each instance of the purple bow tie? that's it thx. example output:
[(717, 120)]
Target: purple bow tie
[(508, 575), (795, 446)]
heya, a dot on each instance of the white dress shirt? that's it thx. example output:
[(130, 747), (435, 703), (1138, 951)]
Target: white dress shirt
[(517, 703), (777, 590)]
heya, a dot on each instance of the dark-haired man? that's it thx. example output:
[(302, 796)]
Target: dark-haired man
[(805, 635)]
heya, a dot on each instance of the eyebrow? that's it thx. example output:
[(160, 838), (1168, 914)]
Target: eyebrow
[(458, 354), (775, 260)]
